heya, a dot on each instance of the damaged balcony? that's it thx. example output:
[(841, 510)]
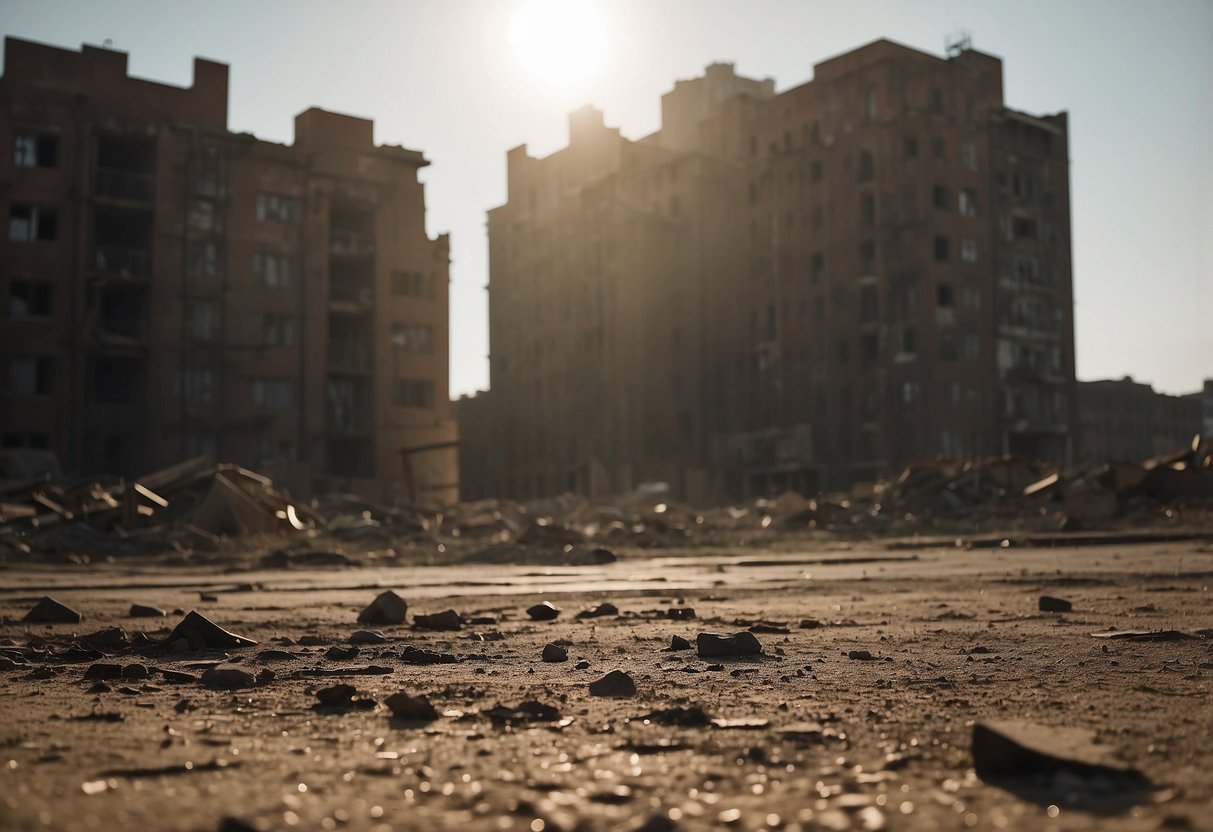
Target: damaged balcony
[(125, 170), (351, 231)]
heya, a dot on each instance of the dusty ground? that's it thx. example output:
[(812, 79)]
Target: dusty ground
[(955, 635)]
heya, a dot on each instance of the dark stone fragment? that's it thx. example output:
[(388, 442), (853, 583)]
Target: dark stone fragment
[(136, 671), (599, 611), (722, 645), (693, 716), (528, 711), (76, 655), (678, 643), (50, 611), (338, 653), (144, 611), (387, 608), (226, 677), (367, 637), (582, 665), (615, 684), (680, 613), (1048, 603), (445, 620), (555, 653), (178, 677), (411, 708), (809, 624), (414, 655), (860, 655), (109, 640), (200, 633), (274, 656), (1014, 748), (104, 671), (543, 612), (336, 696)]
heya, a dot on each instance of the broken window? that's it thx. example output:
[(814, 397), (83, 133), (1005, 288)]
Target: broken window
[(968, 155), (115, 380), (29, 298), (941, 250), (944, 295), (936, 100), (35, 150), (30, 375), (273, 270), (971, 346), (817, 267), (278, 331), (202, 320), (272, 393), (277, 208), (968, 202), (869, 109), (939, 197), (947, 345), (867, 210), (910, 391), (203, 258), (868, 349), (195, 384), (202, 213), (30, 223), (1024, 228), (909, 341), (413, 337), (408, 392), (968, 251)]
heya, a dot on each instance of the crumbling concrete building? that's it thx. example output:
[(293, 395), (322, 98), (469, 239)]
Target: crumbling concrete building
[(1122, 420), (783, 290), (171, 288)]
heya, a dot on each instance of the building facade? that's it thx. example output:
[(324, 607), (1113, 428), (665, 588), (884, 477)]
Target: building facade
[(1127, 421), (173, 288), (783, 290)]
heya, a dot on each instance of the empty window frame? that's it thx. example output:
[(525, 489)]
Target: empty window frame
[(29, 298), (412, 285), (30, 375), (277, 331), (202, 258), (272, 393), (32, 223), (413, 337), (273, 270), (409, 392), (277, 208), (35, 150)]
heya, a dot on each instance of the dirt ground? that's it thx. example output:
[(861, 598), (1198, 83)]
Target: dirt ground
[(808, 735)]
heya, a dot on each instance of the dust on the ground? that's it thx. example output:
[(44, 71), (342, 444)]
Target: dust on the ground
[(857, 714)]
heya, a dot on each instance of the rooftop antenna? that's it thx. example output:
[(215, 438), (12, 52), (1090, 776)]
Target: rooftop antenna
[(958, 42)]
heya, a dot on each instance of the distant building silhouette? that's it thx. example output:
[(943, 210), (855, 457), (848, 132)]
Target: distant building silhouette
[(171, 288), (793, 290), (1122, 420)]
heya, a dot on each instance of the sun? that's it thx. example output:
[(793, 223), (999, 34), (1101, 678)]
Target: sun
[(561, 41)]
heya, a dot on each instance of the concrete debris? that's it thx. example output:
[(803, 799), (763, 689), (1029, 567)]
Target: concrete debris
[(367, 637), (387, 608), (545, 611), (445, 620), (692, 716), (600, 611), (1010, 749), (722, 645), (340, 653), (1048, 603), (678, 643), (200, 633), (50, 611), (336, 696), (615, 684), (680, 613), (414, 655), (555, 653), (529, 711), (228, 677), (1144, 635), (144, 611), (411, 708)]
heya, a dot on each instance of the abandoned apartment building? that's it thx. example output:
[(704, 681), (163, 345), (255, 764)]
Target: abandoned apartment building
[(1122, 420), (171, 288), (792, 290)]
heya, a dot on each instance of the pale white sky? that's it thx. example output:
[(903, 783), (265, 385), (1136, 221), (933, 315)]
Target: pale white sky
[(441, 76)]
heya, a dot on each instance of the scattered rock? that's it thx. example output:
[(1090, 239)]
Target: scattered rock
[(555, 653), (582, 665), (721, 645), (528, 711), (50, 611), (178, 677), (1015, 748), (599, 611), (228, 677), (543, 612), (275, 656), (200, 633), (615, 684), (445, 620), (414, 655), (367, 637), (1050, 604), (338, 653), (387, 608), (689, 717), (104, 671), (136, 671), (589, 556), (678, 643), (144, 611), (809, 624), (110, 640), (336, 696), (411, 708), (1143, 635), (860, 655), (680, 613)]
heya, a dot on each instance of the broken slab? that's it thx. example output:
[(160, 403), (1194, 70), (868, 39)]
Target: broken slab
[(1049, 603), (200, 633), (411, 708), (445, 620), (1143, 635), (145, 611), (604, 609), (50, 611), (228, 677), (1018, 748), (723, 645), (547, 611), (616, 684), (529, 711), (387, 608), (555, 653)]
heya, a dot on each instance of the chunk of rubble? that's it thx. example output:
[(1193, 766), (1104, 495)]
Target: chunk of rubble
[(692, 716), (555, 653), (547, 611), (367, 637), (1016, 748), (678, 643), (1050, 603), (723, 645), (228, 677), (417, 655), (200, 633), (529, 711), (387, 608), (861, 655), (411, 708), (1143, 635), (680, 613), (336, 696), (615, 684), (600, 611), (445, 620), (338, 653), (102, 670), (145, 611), (50, 611)]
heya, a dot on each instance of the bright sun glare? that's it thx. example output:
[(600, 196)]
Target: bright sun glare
[(561, 41)]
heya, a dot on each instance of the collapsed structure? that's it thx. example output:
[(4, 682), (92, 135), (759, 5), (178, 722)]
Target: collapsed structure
[(171, 288), (789, 290)]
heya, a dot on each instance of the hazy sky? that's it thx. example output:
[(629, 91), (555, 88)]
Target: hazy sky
[(441, 76)]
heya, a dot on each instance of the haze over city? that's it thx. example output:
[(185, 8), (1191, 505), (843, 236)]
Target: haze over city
[(454, 80)]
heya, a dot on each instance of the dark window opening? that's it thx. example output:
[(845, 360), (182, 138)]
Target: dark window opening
[(29, 223), (944, 295), (941, 249), (29, 298), (35, 150), (939, 197)]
